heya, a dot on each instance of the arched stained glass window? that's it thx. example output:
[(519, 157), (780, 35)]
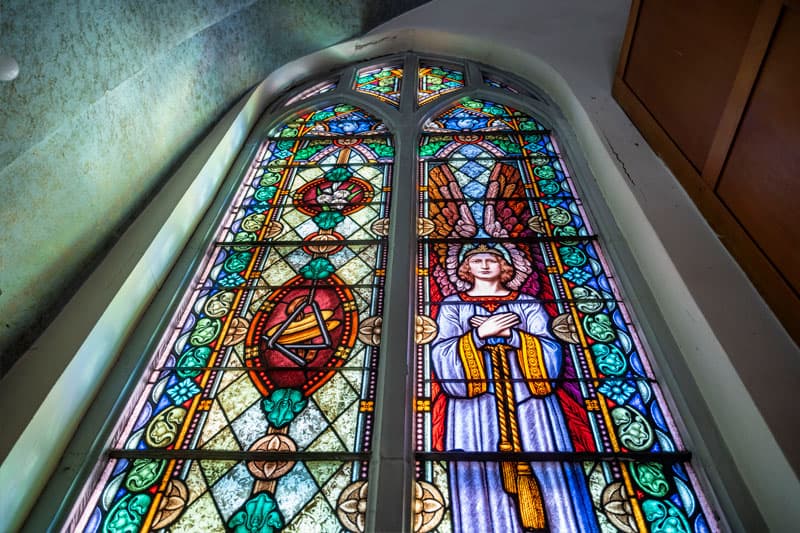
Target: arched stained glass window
[(273, 350), (276, 386), (536, 406)]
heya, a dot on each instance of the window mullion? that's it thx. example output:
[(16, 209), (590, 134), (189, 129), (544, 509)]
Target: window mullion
[(391, 469)]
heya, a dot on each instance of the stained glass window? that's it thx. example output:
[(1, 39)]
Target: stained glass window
[(314, 90), (273, 351), (536, 407), (497, 83), (381, 82), (437, 81)]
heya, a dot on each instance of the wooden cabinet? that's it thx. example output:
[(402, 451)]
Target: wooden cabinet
[(714, 87)]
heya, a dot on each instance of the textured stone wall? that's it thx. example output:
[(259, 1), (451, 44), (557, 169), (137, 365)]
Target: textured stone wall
[(110, 97)]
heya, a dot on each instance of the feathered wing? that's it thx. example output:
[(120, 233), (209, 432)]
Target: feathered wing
[(452, 219), (505, 215)]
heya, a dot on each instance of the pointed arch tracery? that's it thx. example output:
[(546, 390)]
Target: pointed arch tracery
[(258, 405)]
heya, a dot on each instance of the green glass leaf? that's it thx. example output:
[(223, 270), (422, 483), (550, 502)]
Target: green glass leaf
[(192, 361), (143, 473), (529, 125), (572, 256), (328, 219), (609, 359), (599, 328), (344, 108), (205, 331), (163, 428), (539, 158), (126, 516), (337, 174), (664, 517), (431, 148), (307, 152), (472, 104), (549, 187), (260, 514), (559, 216), (270, 178), (243, 236), (566, 231), (507, 146), (283, 405), (633, 429), (237, 262), (591, 301), (321, 115), (318, 268), (545, 172), (278, 165), (650, 477), (254, 222), (381, 150), (265, 194)]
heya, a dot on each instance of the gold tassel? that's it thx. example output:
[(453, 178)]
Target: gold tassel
[(509, 471), (531, 506), (518, 478)]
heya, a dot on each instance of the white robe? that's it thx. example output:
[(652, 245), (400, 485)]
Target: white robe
[(478, 500)]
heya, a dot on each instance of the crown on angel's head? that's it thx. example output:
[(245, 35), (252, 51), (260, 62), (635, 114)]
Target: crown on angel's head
[(491, 248)]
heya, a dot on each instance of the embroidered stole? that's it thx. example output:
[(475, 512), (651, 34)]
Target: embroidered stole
[(518, 478)]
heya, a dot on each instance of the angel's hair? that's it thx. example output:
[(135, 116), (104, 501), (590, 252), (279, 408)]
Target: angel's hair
[(506, 270)]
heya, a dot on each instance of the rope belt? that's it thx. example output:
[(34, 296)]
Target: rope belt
[(518, 478)]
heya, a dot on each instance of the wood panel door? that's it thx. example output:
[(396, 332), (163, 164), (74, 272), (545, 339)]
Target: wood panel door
[(714, 87)]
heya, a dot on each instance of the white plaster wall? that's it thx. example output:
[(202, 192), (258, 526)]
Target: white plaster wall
[(567, 48)]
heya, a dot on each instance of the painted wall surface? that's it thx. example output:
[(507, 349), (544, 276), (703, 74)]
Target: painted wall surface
[(109, 99)]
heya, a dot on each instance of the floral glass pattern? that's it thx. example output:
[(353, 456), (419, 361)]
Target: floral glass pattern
[(381, 82), (536, 407), (437, 81), (257, 407)]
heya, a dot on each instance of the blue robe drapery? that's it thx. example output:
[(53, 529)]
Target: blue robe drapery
[(478, 500)]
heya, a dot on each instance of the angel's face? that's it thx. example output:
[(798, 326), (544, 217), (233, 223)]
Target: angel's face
[(484, 266)]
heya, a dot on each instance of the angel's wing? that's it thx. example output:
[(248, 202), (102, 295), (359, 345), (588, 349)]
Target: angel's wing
[(505, 215), (451, 218)]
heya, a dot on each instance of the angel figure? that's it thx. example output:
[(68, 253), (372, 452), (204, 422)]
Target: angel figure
[(496, 360)]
